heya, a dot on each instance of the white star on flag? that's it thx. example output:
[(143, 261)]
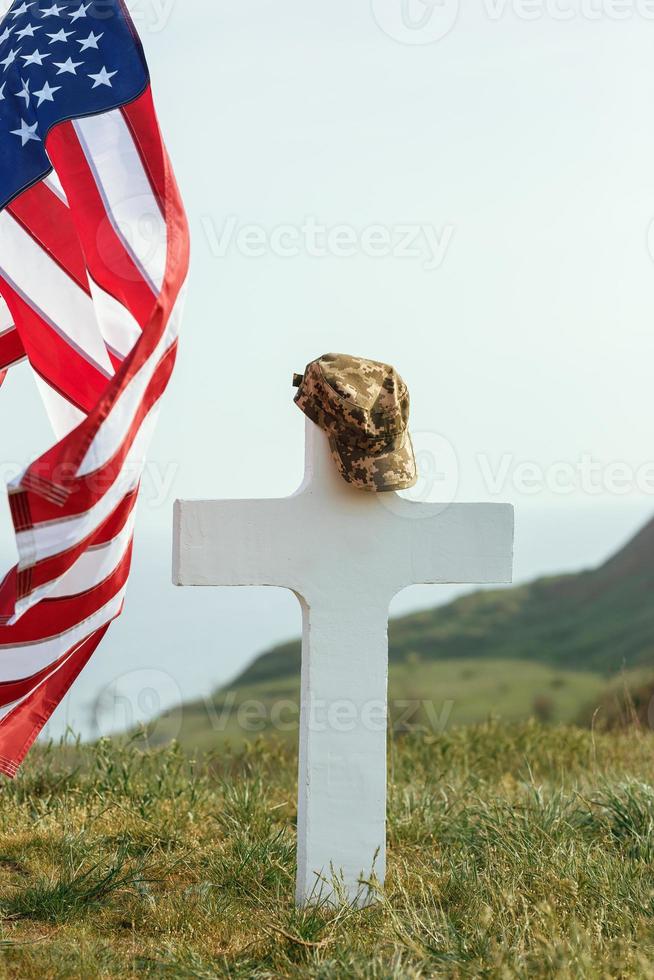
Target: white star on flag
[(67, 67), (5, 34), (24, 92), (19, 11), (80, 13), (26, 133), (61, 35), (53, 11), (90, 42), (46, 94), (2, 91), (35, 58), (27, 31), (11, 57), (103, 77)]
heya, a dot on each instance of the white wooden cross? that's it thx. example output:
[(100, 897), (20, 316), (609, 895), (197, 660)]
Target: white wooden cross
[(345, 553)]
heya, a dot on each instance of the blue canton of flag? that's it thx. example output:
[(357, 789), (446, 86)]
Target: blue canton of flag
[(58, 61)]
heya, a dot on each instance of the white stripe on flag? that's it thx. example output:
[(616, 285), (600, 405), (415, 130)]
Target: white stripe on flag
[(6, 319), (116, 426), (64, 417), (27, 659), (8, 708), (56, 537), (54, 184), (119, 328), (91, 569), (126, 191), (95, 565), (44, 286)]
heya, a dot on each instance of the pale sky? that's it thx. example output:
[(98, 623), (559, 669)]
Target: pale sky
[(514, 158)]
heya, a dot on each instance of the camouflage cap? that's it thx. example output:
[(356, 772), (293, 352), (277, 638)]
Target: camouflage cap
[(363, 406)]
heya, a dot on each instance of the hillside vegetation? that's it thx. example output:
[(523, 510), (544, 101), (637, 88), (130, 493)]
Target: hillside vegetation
[(599, 621), (513, 852), (547, 649), (429, 697)]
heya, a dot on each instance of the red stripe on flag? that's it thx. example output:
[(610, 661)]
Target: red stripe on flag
[(108, 261), (52, 617), (8, 595), (47, 219), (55, 478), (52, 569), (11, 348), (84, 492), (63, 367), (142, 121), (20, 729)]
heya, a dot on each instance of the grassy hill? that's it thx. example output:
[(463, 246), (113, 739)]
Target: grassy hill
[(596, 620), (545, 649), (432, 697), (513, 852)]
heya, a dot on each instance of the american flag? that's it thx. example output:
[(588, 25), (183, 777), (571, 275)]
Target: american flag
[(93, 262)]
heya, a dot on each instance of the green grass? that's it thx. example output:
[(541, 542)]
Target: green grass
[(514, 851), (431, 696)]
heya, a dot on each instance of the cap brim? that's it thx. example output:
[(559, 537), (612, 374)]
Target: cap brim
[(381, 473)]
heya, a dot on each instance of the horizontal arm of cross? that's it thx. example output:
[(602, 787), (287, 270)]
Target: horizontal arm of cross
[(452, 544), (383, 543), (330, 540), (232, 542)]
